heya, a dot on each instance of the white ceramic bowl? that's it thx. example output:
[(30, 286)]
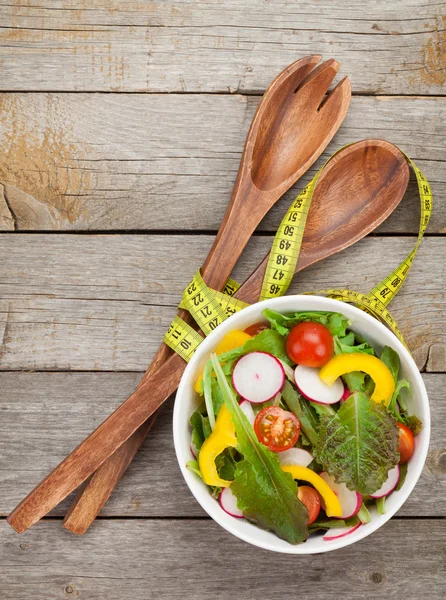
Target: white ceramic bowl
[(187, 400)]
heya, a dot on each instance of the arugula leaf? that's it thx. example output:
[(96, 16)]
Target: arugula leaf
[(269, 341), (393, 407), (335, 322), (303, 410), (266, 494), (358, 445)]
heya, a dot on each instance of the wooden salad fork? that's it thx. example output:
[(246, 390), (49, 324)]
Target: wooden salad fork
[(358, 189), (292, 126)]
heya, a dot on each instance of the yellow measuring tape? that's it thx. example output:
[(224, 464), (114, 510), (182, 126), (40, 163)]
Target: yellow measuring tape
[(209, 307)]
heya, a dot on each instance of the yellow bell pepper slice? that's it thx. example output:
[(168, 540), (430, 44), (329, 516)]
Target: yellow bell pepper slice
[(231, 341), (332, 504), (356, 361), (221, 438)]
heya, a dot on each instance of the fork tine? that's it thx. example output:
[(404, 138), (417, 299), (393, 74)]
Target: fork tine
[(316, 84), (294, 74), (335, 96)]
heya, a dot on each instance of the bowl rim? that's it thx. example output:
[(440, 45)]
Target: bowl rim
[(215, 512)]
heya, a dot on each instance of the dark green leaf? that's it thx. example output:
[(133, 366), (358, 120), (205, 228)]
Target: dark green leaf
[(200, 428), (333, 524), (414, 424), (403, 473), (393, 406), (226, 464), (266, 494), (392, 360), (358, 444)]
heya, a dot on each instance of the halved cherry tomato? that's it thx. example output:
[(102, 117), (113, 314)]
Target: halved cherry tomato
[(256, 328), (406, 442), (277, 428), (310, 344), (311, 499)]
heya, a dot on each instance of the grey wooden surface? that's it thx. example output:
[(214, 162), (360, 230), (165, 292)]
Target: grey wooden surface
[(121, 128)]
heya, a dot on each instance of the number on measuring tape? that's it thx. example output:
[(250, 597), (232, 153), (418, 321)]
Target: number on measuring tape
[(209, 307)]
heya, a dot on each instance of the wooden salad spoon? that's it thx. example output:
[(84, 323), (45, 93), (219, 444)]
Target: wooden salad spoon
[(292, 126), (357, 190)]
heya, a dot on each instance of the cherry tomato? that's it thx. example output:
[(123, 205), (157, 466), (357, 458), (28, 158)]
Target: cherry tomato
[(256, 328), (311, 499), (406, 442), (277, 428), (310, 344)]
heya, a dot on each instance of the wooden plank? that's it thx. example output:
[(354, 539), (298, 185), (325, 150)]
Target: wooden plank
[(103, 302), (45, 416), (185, 560), (208, 46), (146, 162)]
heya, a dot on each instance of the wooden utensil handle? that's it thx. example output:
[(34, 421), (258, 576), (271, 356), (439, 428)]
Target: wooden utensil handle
[(110, 435), (152, 392), (91, 498)]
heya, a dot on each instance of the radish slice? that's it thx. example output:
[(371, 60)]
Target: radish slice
[(389, 485), (258, 377), (295, 456), (247, 409), (350, 501), (336, 533), (311, 386), (228, 502), (346, 395)]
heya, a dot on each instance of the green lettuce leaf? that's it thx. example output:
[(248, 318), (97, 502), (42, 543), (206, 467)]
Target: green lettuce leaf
[(269, 341), (392, 360), (266, 494), (358, 445), (304, 411), (356, 380), (335, 322), (201, 428)]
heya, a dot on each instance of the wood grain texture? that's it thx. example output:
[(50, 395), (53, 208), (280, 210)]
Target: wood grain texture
[(208, 46), (45, 415), (160, 162), (290, 113), (103, 302), (178, 560)]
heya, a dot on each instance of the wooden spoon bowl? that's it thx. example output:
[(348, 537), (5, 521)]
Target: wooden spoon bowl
[(357, 190)]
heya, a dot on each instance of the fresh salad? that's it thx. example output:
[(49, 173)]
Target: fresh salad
[(302, 425)]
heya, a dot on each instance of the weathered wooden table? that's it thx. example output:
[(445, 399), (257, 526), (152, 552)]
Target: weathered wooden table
[(121, 129)]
